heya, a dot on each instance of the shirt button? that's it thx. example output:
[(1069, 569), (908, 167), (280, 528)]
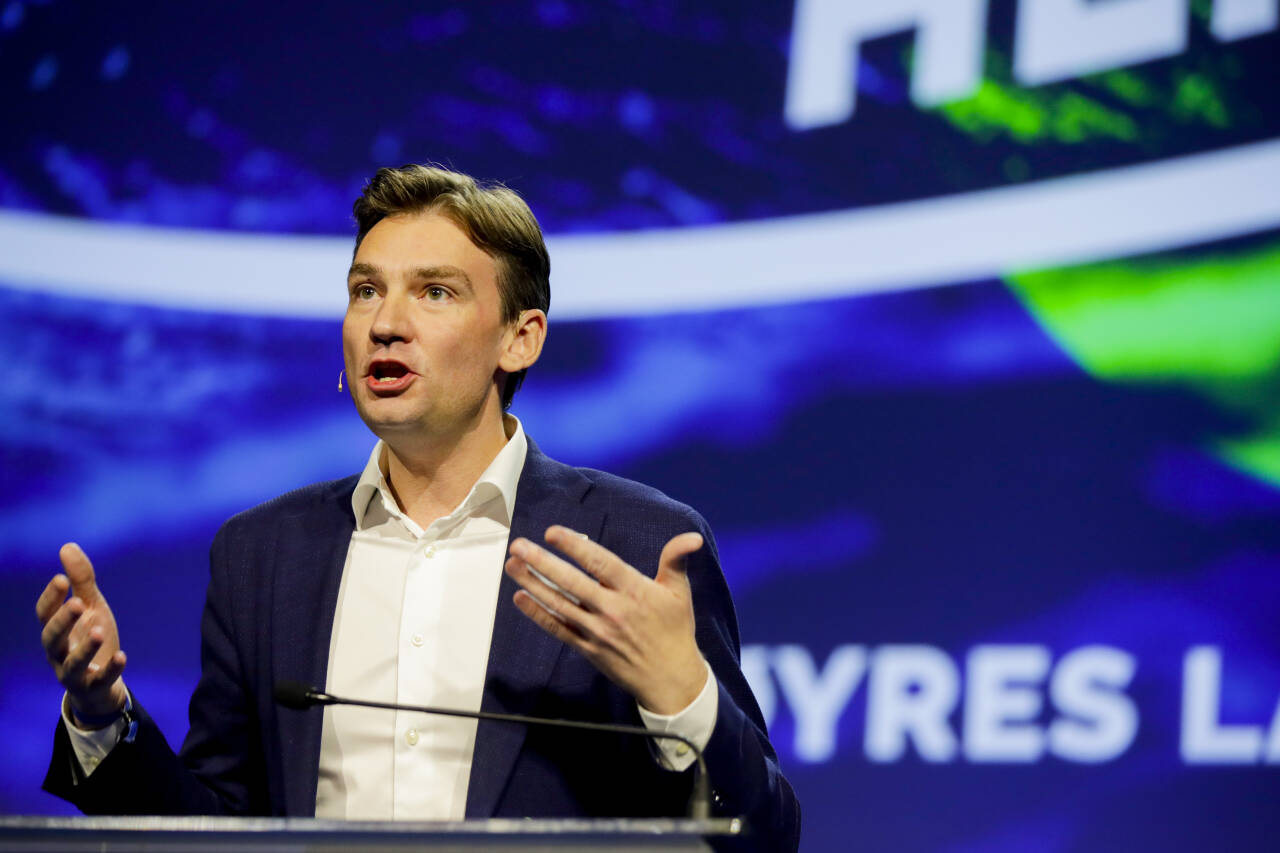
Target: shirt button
[(417, 639), (429, 551), (682, 749), (411, 737)]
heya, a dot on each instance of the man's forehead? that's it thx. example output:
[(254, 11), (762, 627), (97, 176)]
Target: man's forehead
[(420, 244)]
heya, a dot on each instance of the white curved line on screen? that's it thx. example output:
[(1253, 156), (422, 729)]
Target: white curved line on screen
[(953, 239)]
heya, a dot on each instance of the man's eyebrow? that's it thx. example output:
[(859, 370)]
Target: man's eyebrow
[(443, 271), (439, 273), (361, 268)]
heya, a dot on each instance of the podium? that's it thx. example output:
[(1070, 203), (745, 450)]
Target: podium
[(310, 835)]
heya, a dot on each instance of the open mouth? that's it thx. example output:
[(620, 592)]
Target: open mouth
[(388, 378), (387, 372)]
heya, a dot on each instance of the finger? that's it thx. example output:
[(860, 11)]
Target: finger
[(55, 592), (79, 655), (56, 634), (559, 573), (596, 560), (80, 572), (104, 674), (554, 600), (100, 666), (671, 565), (548, 622)]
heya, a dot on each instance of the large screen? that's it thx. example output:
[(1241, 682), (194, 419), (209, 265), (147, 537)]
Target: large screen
[(959, 320)]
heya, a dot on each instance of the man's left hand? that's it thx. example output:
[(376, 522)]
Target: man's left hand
[(636, 630)]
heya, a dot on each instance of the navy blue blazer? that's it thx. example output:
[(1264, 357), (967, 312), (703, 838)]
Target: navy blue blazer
[(273, 589)]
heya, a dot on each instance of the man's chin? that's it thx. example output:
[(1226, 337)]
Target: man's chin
[(383, 420)]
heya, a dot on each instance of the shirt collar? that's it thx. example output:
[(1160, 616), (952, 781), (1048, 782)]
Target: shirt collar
[(499, 479)]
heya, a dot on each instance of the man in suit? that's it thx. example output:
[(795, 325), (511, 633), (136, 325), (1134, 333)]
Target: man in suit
[(387, 585)]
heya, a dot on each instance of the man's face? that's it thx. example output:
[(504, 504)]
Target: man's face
[(423, 333)]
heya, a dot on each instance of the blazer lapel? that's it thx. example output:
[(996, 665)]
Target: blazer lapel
[(522, 655), (311, 555)]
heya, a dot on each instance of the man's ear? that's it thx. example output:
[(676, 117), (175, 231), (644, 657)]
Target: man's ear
[(522, 343)]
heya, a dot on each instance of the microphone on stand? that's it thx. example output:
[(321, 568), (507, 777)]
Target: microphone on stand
[(300, 697)]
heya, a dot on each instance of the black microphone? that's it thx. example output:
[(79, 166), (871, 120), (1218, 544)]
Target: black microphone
[(299, 697)]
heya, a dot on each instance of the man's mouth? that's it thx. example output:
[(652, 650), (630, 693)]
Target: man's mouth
[(387, 371), (388, 377)]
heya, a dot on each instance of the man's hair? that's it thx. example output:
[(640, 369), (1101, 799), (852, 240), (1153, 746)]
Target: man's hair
[(495, 218)]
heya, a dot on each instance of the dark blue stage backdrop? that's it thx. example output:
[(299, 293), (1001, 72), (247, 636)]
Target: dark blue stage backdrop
[(958, 319)]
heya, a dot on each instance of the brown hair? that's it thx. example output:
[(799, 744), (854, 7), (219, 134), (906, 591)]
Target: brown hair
[(495, 218)]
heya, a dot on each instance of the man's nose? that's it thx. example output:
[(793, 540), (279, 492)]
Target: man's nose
[(391, 322)]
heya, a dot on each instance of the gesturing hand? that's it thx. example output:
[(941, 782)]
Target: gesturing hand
[(80, 638), (637, 631)]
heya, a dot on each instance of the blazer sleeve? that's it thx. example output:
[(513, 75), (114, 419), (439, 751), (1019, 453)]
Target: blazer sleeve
[(219, 769), (746, 778)]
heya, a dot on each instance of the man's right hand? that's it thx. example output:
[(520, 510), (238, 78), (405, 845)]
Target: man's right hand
[(80, 637)]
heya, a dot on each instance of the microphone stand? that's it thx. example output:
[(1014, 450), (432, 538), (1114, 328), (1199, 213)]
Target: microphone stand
[(300, 697)]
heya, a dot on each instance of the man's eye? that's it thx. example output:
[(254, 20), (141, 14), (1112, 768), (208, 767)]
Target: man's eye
[(365, 291), (435, 293)]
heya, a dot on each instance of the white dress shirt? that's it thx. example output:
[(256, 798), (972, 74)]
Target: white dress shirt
[(413, 625)]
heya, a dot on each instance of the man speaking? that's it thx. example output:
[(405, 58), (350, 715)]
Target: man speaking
[(462, 569)]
